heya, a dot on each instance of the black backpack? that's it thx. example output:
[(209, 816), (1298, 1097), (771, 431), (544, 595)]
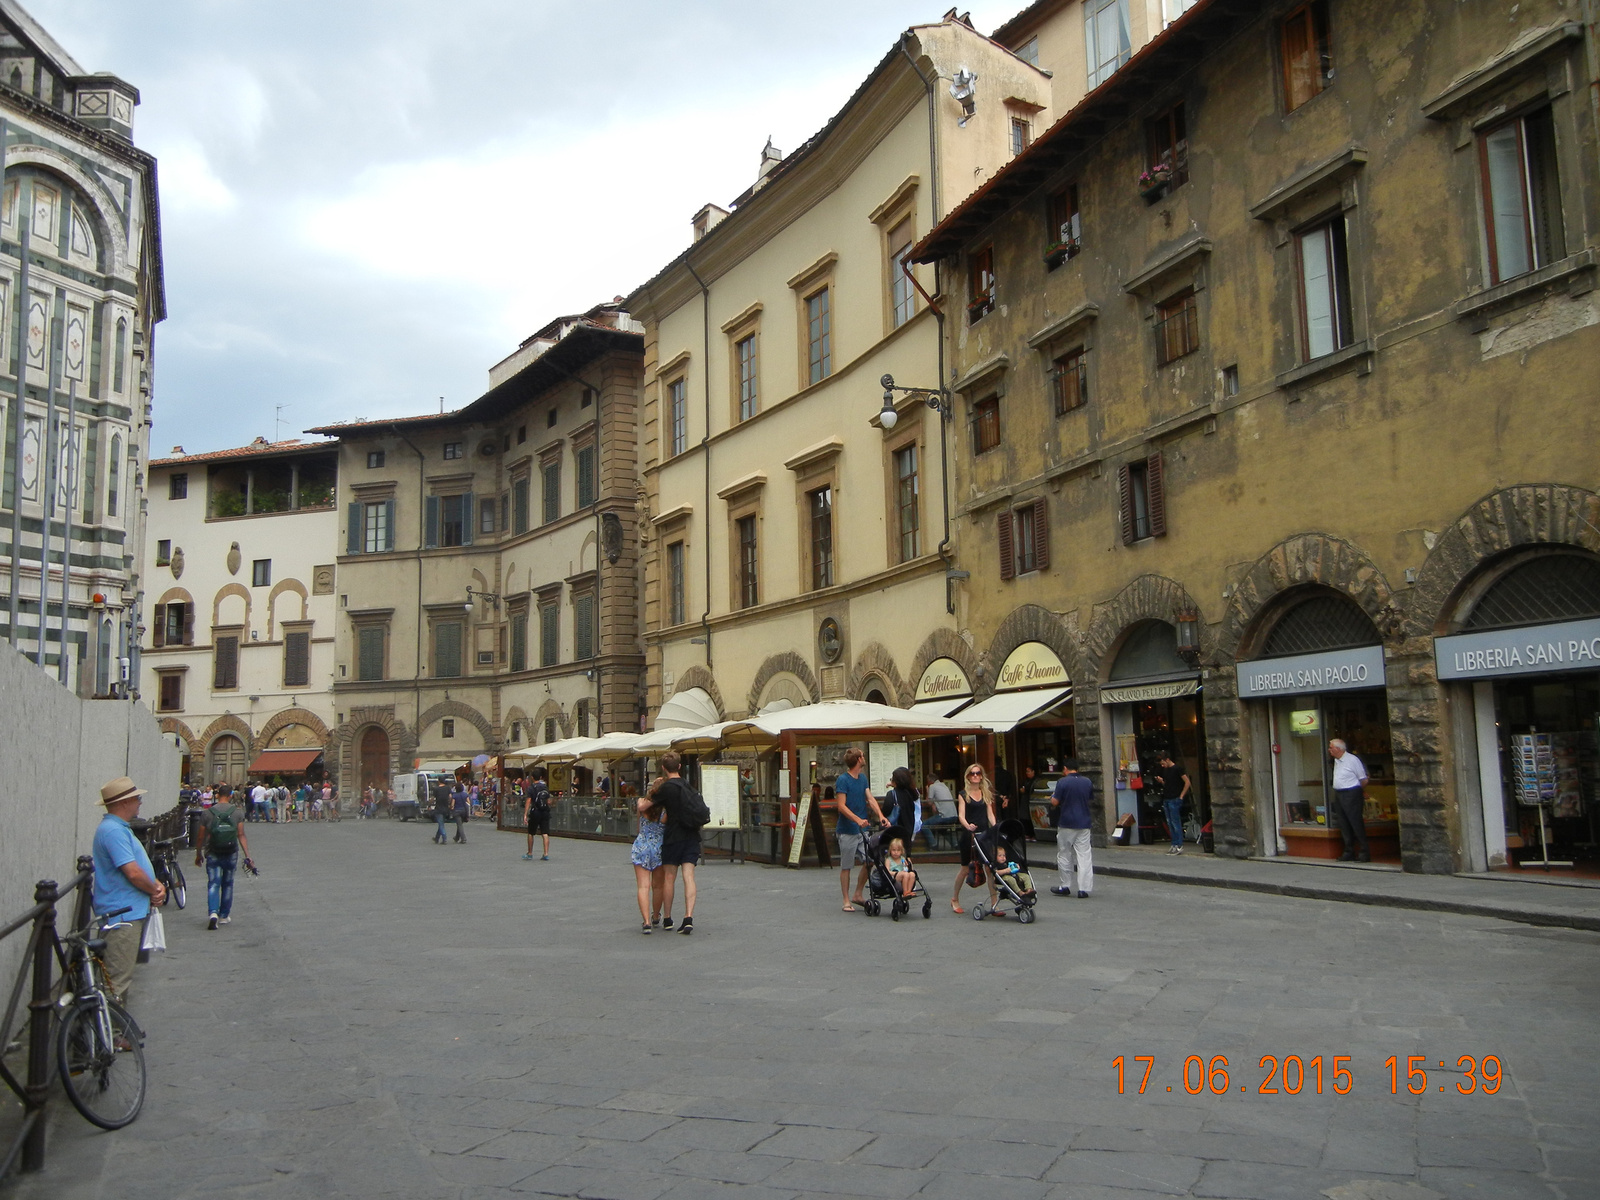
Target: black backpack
[(694, 814), (539, 798)]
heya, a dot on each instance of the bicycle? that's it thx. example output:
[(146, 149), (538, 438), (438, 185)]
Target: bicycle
[(99, 1046), (164, 858)]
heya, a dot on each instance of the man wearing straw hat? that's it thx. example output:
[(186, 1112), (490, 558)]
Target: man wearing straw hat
[(123, 879)]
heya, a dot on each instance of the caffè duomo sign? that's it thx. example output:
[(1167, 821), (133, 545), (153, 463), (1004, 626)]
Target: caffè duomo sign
[(1032, 664)]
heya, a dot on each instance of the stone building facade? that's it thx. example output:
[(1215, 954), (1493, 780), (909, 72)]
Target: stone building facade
[(487, 561), (82, 330), (1272, 421)]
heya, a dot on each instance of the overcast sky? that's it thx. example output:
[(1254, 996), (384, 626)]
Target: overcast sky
[(366, 203)]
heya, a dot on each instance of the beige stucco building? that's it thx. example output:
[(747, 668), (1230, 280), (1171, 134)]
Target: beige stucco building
[(238, 653), (488, 572)]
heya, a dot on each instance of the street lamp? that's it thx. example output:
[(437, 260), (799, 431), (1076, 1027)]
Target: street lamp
[(493, 597), (1188, 634), (935, 398)]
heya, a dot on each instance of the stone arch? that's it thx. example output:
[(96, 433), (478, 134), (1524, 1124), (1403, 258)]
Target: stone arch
[(282, 586), (698, 676), (788, 662), (1030, 623), (176, 595), (943, 643), (551, 709), (292, 716), (455, 708), (1147, 598), (876, 664), (1514, 518), (342, 754), (228, 723), (173, 725), (1297, 563), (223, 592), (102, 205), (588, 552), (513, 715)]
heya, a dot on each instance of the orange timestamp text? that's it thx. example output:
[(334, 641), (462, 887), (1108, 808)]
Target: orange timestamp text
[(1292, 1074)]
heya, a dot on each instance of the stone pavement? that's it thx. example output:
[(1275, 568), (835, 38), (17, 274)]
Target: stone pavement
[(390, 1018)]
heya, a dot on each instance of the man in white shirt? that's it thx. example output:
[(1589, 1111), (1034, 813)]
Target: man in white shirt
[(1349, 802), (258, 802)]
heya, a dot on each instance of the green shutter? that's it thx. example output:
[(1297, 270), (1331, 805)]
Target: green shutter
[(432, 538), (469, 506), (519, 506), (388, 524), (447, 650), (519, 641), (353, 541), (370, 663)]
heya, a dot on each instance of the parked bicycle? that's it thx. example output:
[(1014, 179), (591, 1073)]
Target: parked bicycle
[(99, 1046), (164, 858)]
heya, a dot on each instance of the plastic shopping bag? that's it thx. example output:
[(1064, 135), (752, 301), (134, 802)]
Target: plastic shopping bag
[(155, 934)]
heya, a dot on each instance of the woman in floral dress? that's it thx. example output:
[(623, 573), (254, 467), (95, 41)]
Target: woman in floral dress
[(646, 858)]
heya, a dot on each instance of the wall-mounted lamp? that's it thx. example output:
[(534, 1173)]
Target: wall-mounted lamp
[(1188, 634), (493, 597), (937, 399)]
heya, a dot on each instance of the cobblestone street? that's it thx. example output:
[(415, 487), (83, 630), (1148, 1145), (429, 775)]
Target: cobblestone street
[(387, 1017)]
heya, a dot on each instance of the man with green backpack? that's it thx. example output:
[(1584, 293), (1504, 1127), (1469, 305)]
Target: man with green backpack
[(221, 839)]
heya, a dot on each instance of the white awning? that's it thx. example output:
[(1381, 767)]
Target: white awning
[(691, 708), (1004, 711), (941, 708)]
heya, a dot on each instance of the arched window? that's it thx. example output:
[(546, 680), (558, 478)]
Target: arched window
[(1540, 591), (1324, 622), (114, 471), (16, 78), (122, 354)]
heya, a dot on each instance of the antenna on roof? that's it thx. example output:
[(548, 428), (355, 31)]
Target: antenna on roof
[(441, 406), (277, 420)]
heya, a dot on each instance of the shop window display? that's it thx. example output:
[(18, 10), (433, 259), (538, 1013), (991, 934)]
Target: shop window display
[(1302, 728), (1550, 758)]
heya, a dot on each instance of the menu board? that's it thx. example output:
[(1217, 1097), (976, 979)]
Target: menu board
[(882, 759), (719, 785)]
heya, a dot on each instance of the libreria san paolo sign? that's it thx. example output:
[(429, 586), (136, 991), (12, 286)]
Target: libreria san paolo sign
[(1329, 671), (1535, 650)]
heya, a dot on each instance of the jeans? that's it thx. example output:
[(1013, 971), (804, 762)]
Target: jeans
[(461, 822), (219, 883), (1075, 860), (438, 818), (1175, 820)]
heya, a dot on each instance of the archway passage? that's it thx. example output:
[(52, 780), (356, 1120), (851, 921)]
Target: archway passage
[(374, 757), (228, 760)]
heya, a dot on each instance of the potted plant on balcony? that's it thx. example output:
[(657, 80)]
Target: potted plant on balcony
[(1059, 251), (979, 305), (1154, 181)]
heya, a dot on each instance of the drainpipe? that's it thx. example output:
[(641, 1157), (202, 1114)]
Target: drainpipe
[(930, 84), (422, 537), (705, 449), (599, 538)]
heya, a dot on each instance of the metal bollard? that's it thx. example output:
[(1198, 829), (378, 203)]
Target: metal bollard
[(39, 1024)]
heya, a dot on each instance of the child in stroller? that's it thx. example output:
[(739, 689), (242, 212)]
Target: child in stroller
[(1004, 852), (892, 876)]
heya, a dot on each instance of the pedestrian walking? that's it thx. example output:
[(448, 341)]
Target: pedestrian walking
[(461, 804), (124, 883), (221, 837), (1350, 802), (680, 841), (1174, 791), (906, 810), (283, 803), (441, 811), (648, 873), (1072, 800), (854, 802), (977, 816), (536, 814)]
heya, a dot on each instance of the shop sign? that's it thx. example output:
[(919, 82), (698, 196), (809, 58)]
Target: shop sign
[(1329, 671), (1143, 693), (1570, 646), (1032, 664), (943, 680)]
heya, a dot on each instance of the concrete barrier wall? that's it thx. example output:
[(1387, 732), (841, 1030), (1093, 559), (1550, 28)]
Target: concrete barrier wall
[(55, 752)]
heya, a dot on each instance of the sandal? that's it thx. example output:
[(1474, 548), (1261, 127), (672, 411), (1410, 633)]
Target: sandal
[(956, 908), (848, 908)]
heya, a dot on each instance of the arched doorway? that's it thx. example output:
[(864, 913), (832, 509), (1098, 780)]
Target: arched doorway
[(374, 757), (228, 760)]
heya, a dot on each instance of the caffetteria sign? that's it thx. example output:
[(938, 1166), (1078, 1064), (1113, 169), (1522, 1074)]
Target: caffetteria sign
[(1328, 671), (944, 679), (1535, 650)]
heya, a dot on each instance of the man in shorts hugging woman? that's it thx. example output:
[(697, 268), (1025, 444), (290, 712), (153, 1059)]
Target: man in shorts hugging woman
[(855, 803)]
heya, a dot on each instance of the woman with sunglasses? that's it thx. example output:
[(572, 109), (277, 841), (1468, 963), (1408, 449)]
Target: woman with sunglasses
[(976, 814)]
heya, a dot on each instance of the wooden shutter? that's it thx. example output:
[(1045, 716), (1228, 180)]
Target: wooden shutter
[(1041, 533), (226, 671), (353, 540), (469, 516), (1008, 553), (296, 659), (158, 616), (1158, 495), (188, 624), (1125, 503), (388, 524), (432, 537)]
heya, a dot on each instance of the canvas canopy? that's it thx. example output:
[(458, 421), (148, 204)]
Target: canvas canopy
[(845, 720)]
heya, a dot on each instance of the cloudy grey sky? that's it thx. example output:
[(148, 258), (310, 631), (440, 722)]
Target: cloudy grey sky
[(366, 203)]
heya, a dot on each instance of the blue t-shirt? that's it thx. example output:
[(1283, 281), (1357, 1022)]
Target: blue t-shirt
[(462, 799), (115, 847), (1074, 793), (851, 792)]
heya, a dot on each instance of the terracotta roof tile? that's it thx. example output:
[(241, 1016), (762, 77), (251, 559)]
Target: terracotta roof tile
[(261, 449)]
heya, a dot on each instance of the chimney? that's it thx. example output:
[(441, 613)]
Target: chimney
[(707, 219), (771, 156)]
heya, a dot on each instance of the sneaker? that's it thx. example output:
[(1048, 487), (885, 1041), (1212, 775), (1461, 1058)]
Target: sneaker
[(211, 923), (1177, 849), (687, 926), (1083, 895), (544, 858), (224, 920), (1060, 891), (666, 922), (646, 928), (527, 858)]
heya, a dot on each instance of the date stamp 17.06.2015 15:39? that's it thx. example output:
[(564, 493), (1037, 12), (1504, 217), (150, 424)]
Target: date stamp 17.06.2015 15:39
[(1293, 1074)]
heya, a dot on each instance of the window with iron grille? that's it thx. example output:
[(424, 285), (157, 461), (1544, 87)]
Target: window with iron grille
[(1021, 135), (749, 563), (586, 476), (171, 699), (550, 477), (678, 416), (1521, 195), (1307, 54), (986, 424), (178, 486), (370, 656), (676, 605), (447, 649), (820, 506), (819, 336), (902, 292), (447, 727), (1323, 622), (1324, 276), (1177, 327), (549, 633), (225, 663), (908, 502), (1167, 142), (297, 658), (1540, 591), (1070, 377), (744, 352), (980, 284), (583, 626), (519, 641), (550, 729)]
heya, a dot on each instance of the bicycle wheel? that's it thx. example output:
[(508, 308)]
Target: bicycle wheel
[(104, 1082), (180, 887)]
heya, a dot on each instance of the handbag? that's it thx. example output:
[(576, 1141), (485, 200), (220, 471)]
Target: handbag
[(155, 933)]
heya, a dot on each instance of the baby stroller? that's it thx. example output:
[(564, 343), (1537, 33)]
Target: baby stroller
[(1015, 888), (881, 884)]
